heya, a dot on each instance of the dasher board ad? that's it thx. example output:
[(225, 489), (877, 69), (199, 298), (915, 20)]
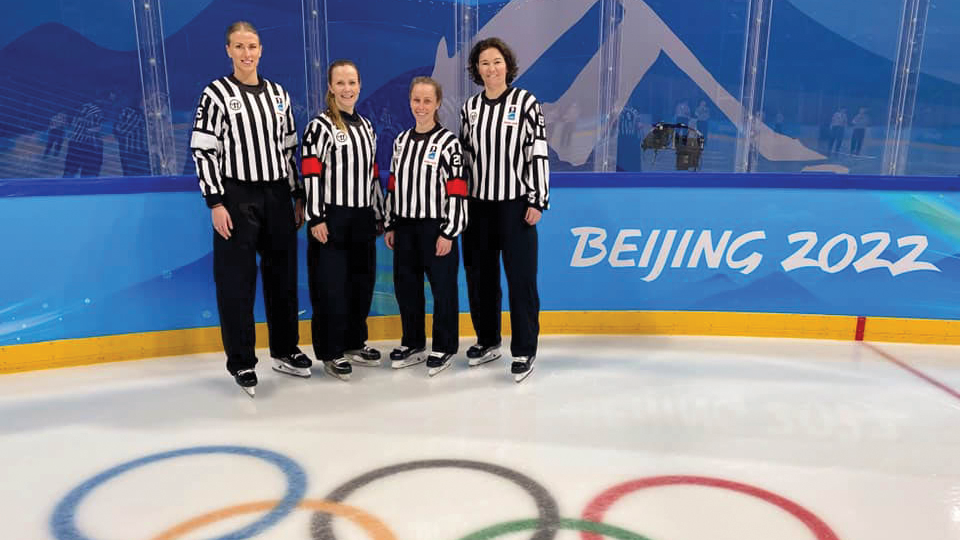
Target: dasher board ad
[(832, 252)]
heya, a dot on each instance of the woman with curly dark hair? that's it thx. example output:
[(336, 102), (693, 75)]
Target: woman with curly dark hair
[(503, 135)]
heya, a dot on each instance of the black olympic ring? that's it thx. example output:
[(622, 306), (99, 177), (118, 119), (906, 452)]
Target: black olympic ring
[(321, 526)]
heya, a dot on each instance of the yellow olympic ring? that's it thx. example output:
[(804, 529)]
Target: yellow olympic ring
[(373, 526)]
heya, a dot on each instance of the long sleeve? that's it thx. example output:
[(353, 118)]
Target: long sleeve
[(451, 166), (536, 173), (316, 145), (389, 205), (206, 144), (376, 194), (290, 141), (468, 153)]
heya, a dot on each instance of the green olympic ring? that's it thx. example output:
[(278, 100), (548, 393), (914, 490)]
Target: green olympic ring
[(508, 527)]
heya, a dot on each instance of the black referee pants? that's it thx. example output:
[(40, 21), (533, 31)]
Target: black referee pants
[(498, 227), (263, 223), (342, 274), (414, 253)]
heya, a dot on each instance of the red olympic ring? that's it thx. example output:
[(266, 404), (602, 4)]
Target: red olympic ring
[(596, 509)]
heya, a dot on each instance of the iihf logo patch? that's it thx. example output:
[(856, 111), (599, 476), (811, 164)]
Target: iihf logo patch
[(279, 103), (473, 117), (510, 118), (431, 157), (234, 104), (340, 137)]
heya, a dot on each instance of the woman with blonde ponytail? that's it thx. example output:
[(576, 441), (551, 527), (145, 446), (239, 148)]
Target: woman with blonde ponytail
[(344, 213)]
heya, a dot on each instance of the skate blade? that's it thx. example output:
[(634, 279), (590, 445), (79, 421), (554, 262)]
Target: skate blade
[(435, 370), (474, 362), (361, 361), (341, 376), (250, 390), (412, 361), (296, 372), (519, 377)]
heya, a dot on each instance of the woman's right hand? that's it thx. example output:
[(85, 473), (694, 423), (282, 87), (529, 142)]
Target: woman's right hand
[(319, 231), (221, 221), (388, 239)]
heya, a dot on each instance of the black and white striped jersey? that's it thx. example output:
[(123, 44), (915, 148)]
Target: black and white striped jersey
[(246, 134), (426, 180), (86, 127), (339, 166), (130, 130), (505, 148)]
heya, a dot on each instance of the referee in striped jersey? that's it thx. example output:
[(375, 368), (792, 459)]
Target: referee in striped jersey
[(505, 152), (244, 143), (426, 212), (345, 215)]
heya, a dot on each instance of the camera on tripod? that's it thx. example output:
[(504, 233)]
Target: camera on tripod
[(686, 141)]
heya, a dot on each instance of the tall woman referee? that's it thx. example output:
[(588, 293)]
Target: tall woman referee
[(505, 152), (345, 214), (244, 143)]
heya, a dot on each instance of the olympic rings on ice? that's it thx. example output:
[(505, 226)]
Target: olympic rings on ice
[(544, 527), (63, 524)]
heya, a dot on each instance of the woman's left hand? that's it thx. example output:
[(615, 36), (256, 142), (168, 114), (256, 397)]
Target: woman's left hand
[(298, 216), (533, 216), (443, 246)]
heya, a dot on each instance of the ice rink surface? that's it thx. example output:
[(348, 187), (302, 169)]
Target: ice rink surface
[(657, 438)]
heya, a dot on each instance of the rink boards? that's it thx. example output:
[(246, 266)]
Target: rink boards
[(111, 269)]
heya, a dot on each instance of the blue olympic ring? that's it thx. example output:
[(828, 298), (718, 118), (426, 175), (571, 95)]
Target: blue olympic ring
[(64, 527)]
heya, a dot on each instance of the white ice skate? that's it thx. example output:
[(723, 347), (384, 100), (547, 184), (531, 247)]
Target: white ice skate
[(365, 356), (522, 367), (296, 364), (247, 379), (479, 354), (339, 368), (402, 357), (437, 362)]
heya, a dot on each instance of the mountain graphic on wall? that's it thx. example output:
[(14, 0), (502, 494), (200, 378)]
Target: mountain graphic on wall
[(776, 292), (51, 66)]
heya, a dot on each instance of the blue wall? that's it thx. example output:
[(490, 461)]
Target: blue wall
[(92, 258)]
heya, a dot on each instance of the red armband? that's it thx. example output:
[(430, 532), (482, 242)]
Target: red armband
[(457, 186), (311, 165), (391, 183)]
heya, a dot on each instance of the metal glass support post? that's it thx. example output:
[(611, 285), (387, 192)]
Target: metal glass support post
[(756, 44), (906, 78), (316, 54), (467, 25), (605, 149), (158, 118)]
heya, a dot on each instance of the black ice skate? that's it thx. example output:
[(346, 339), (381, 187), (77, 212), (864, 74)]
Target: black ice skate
[(365, 356), (481, 354), (522, 367), (402, 357), (438, 362), (247, 379), (296, 364), (339, 368)]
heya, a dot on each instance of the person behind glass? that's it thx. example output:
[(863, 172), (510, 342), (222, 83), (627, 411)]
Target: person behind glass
[(344, 213), (425, 213), (503, 135), (244, 143), (860, 123)]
